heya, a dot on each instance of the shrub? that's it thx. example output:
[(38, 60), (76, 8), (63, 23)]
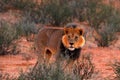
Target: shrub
[(85, 68), (109, 28), (23, 4), (7, 35), (3, 4), (116, 68), (78, 8), (55, 12), (17, 4), (99, 16), (81, 71), (25, 27), (107, 35), (10, 32), (93, 11), (114, 20)]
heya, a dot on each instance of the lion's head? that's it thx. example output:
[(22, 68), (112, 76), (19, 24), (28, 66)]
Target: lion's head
[(73, 37)]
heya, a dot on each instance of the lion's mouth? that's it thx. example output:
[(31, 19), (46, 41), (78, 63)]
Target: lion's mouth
[(71, 49)]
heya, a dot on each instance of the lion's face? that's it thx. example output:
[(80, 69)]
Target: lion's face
[(73, 38)]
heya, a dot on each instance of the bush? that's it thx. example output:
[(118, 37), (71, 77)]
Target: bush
[(116, 68), (78, 8), (108, 29), (114, 20), (93, 11), (97, 13), (23, 4), (82, 70), (25, 27), (16, 4), (7, 35), (107, 35), (3, 4), (11, 32), (54, 12)]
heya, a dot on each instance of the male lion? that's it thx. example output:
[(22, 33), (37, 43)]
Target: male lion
[(66, 42)]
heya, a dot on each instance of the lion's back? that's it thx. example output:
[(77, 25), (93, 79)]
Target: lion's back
[(48, 38)]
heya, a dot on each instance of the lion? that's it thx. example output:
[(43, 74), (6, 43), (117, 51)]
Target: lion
[(66, 42)]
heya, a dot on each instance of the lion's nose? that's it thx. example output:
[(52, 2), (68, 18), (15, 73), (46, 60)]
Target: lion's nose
[(71, 43)]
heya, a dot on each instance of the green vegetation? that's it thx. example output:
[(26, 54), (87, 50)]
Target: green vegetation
[(54, 12), (109, 28), (25, 27), (107, 35), (10, 32), (24, 5), (116, 68), (7, 35), (3, 4)]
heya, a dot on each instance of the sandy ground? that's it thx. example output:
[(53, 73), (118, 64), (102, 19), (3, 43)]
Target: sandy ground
[(15, 64)]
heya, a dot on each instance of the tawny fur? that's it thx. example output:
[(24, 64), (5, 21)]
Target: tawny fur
[(48, 41)]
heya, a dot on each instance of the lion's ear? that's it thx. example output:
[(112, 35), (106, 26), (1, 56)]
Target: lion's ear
[(65, 30), (81, 31)]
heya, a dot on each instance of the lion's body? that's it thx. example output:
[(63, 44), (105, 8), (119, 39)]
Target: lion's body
[(67, 42), (48, 40)]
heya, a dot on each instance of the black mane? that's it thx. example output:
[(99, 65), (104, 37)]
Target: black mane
[(70, 54)]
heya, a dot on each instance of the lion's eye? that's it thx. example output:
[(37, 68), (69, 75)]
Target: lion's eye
[(76, 37), (69, 37)]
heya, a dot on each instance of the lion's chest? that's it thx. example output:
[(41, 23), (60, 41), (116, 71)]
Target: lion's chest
[(70, 54)]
